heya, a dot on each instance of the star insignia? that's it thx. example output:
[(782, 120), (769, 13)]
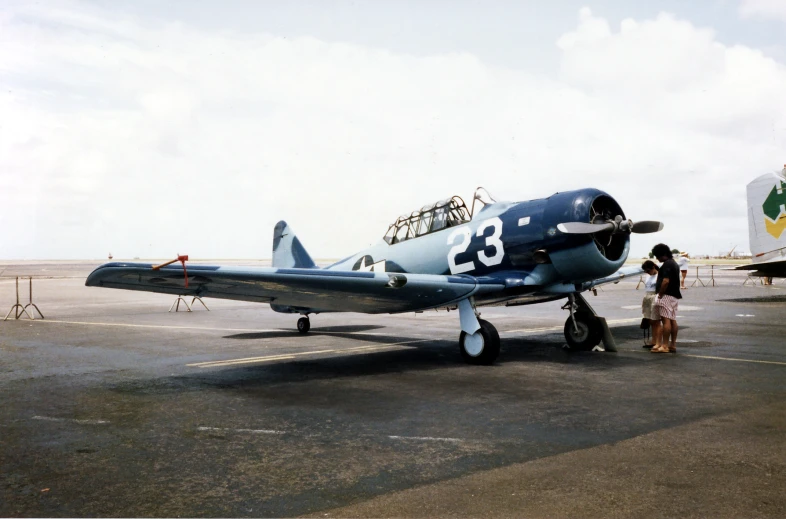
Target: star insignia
[(379, 266)]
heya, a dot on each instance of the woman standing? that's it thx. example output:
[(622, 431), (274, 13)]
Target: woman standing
[(682, 261), (648, 308)]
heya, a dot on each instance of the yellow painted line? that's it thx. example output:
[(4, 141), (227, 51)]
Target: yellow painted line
[(72, 420), (383, 346), (252, 431), (249, 360), (362, 348), (154, 326), (534, 330), (243, 361), (734, 360), (289, 356), (731, 359), (426, 438), (559, 328)]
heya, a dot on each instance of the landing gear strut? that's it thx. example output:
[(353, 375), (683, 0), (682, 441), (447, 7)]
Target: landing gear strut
[(479, 340), (303, 324), (583, 329)]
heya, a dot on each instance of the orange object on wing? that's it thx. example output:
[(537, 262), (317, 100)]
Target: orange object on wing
[(182, 259)]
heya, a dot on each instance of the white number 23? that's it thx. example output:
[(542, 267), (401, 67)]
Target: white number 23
[(466, 234)]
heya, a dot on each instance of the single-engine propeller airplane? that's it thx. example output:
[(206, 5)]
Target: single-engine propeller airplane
[(441, 256)]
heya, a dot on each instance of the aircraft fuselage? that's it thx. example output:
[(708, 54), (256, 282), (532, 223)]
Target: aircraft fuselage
[(509, 237)]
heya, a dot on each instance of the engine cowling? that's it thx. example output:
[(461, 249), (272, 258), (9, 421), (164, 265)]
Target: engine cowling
[(581, 258)]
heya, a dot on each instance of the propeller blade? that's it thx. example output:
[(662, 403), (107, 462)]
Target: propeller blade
[(647, 226), (584, 227)]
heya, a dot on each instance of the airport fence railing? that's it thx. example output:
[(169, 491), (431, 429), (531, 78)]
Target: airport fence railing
[(713, 275)]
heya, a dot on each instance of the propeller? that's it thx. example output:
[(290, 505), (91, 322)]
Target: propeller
[(647, 227), (584, 227), (613, 226)]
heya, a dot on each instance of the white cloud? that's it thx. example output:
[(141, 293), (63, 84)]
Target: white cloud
[(763, 9), (149, 139)]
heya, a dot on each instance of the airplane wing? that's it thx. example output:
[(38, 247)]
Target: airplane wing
[(566, 288), (773, 268), (299, 289), (617, 276)]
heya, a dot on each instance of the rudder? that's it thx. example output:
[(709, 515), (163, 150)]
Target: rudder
[(767, 215)]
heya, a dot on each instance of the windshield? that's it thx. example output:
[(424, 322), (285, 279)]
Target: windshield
[(432, 218)]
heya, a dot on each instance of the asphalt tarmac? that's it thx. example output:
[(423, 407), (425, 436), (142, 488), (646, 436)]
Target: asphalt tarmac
[(112, 406)]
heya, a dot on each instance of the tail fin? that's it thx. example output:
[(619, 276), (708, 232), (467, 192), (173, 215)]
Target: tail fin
[(767, 215), (287, 249)]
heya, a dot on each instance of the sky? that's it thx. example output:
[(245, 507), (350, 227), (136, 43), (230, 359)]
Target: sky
[(151, 129)]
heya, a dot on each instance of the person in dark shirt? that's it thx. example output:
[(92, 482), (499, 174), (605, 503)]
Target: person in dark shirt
[(667, 289)]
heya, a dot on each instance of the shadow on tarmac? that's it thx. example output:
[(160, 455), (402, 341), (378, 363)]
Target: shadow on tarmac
[(324, 330), (416, 357), (762, 299)]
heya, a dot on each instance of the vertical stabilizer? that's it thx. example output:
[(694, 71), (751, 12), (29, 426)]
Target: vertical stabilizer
[(767, 216), (288, 252)]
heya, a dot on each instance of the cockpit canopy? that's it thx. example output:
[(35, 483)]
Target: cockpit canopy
[(430, 218)]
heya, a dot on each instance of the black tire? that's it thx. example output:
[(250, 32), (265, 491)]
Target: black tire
[(488, 351), (303, 325), (590, 332)]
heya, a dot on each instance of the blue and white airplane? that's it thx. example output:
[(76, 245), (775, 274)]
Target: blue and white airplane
[(441, 256)]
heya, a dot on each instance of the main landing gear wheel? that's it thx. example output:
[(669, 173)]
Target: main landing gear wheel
[(303, 325), (481, 347), (589, 334)]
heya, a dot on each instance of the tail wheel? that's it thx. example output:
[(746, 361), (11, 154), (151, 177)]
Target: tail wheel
[(303, 325), (587, 333), (481, 347)]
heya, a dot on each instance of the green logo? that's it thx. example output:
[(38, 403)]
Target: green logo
[(775, 222)]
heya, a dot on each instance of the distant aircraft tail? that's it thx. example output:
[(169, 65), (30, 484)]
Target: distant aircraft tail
[(288, 252), (767, 216)]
